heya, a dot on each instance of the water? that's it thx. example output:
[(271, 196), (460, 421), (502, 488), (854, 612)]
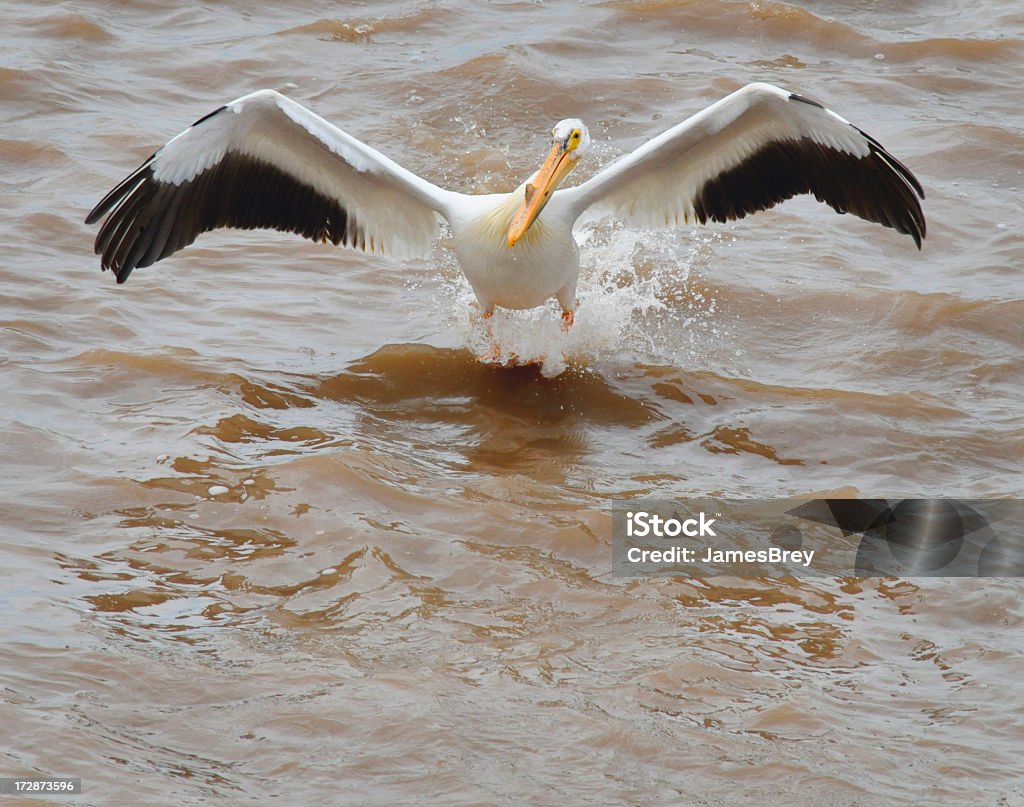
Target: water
[(270, 531)]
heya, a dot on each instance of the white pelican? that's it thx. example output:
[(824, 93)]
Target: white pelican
[(266, 161)]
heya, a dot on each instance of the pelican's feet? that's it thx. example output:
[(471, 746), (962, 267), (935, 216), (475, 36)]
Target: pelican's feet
[(568, 318), (498, 358), (493, 355)]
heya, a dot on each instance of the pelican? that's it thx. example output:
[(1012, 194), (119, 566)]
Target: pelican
[(265, 161)]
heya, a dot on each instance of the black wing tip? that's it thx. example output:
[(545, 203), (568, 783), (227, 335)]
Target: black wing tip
[(102, 207), (780, 170), (804, 100), (149, 219), (120, 273), (125, 189), (122, 190), (209, 115), (918, 226), (896, 165), (875, 187), (874, 145)]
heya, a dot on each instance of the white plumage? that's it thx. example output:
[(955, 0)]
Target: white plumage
[(265, 161)]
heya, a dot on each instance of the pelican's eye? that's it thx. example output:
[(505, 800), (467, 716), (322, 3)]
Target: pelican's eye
[(573, 140)]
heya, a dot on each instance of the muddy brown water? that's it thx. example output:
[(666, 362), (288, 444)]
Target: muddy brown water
[(404, 593)]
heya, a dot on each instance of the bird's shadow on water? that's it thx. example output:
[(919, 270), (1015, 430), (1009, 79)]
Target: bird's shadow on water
[(504, 416), (446, 406)]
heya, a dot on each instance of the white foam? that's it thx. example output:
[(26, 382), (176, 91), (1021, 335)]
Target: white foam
[(633, 297)]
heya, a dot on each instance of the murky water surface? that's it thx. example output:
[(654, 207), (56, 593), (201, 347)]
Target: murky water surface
[(269, 532)]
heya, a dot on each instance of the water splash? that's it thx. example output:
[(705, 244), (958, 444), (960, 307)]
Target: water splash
[(634, 295)]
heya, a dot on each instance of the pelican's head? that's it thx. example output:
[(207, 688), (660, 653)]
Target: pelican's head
[(570, 140)]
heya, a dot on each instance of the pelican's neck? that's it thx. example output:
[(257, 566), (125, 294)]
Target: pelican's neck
[(505, 210), (491, 224)]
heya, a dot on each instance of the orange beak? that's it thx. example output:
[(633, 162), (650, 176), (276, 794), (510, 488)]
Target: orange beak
[(554, 170)]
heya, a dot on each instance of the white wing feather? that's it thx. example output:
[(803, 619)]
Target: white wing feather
[(396, 211), (660, 183)]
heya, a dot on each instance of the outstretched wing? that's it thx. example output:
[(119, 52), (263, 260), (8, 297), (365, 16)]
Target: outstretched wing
[(265, 161), (751, 150)]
